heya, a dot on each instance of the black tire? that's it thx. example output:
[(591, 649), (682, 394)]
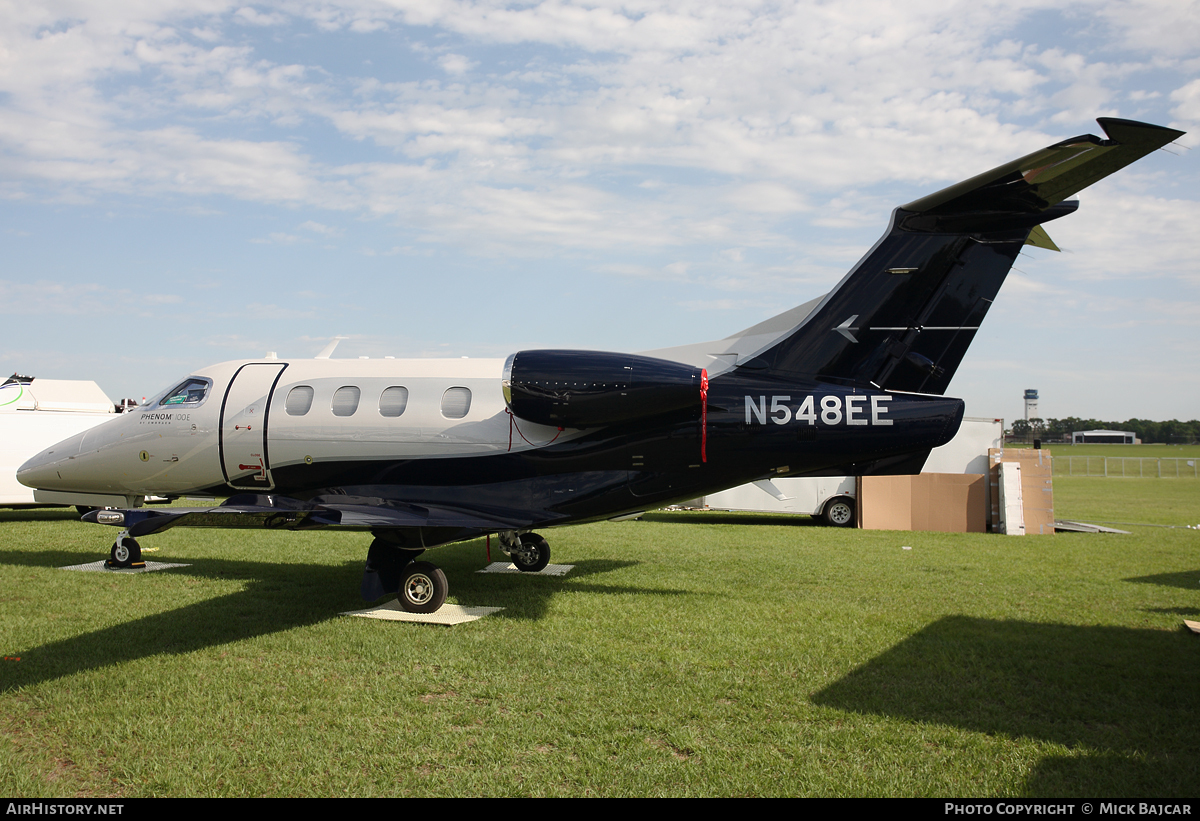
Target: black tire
[(423, 588), (83, 510), (533, 555), (839, 512), (125, 553)]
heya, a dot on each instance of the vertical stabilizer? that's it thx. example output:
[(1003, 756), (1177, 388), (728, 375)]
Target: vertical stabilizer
[(903, 317)]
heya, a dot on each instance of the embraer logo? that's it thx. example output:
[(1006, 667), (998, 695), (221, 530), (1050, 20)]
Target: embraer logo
[(854, 411)]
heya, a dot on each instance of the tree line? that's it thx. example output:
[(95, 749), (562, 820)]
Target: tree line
[(1172, 432)]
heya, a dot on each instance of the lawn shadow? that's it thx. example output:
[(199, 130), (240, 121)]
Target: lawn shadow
[(1126, 699), (1174, 611), (1188, 579), (278, 596), (528, 596), (39, 514)]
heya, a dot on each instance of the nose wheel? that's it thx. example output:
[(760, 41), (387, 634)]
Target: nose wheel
[(125, 553), (532, 555)]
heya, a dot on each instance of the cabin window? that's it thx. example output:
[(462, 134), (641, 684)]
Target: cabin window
[(345, 401), (299, 400), (191, 392), (456, 402), (393, 401)]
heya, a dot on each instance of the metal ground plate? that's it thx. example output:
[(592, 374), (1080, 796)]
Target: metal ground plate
[(98, 567), (509, 567), (448, 614)]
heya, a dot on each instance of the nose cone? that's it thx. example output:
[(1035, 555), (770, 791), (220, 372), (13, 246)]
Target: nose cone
[(51, 469)]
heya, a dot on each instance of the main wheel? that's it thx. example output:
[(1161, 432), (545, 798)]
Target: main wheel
[(125, 553), (533, 554), (839, 512), (423, 588)]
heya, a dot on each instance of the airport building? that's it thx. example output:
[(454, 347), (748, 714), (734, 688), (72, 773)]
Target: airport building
[(1104, 437)]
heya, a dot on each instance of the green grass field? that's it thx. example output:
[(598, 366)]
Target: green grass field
[(1144, 451), (687, 654)]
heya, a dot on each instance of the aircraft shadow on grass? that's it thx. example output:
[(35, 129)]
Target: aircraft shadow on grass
[(39, 514), (278, 596), (1124, 700), (1188, 580)]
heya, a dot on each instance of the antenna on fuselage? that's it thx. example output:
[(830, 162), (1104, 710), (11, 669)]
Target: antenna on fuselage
[(328, 349)]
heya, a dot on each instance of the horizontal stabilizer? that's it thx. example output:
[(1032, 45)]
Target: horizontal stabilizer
[(903, 318), (1047, 177)]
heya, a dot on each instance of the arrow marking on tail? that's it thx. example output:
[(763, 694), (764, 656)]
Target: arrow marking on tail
[(845, 330)]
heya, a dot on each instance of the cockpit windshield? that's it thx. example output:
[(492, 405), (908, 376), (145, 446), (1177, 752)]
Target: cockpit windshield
[(191, 392)]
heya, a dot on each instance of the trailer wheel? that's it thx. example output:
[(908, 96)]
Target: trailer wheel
[(839, 512)]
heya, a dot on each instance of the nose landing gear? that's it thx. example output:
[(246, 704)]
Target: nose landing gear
[(125, 553), (529, 552)]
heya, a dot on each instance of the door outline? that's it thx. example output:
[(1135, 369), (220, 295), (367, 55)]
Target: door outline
[(269, 484)]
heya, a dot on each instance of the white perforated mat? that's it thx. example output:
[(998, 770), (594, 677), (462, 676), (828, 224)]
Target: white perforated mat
[(448, 614)]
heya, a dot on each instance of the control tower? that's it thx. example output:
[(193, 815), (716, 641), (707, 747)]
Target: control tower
[(1031, 404)]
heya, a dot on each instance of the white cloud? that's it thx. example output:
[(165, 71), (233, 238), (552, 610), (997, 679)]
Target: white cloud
[(246, 14), (456, 64), (756, 146)]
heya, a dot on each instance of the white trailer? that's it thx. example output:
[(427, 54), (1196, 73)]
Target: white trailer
[(37, 413), (832, 498)]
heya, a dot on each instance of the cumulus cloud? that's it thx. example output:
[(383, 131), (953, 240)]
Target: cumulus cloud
[(799, 101)]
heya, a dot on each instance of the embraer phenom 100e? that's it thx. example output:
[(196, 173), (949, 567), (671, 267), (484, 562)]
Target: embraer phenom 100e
[(423, 453)]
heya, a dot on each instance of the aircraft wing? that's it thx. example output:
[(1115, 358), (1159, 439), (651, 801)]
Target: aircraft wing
[(333, 512)]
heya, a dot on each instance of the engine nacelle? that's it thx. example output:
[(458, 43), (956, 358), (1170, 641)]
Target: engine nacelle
[(587, 389)]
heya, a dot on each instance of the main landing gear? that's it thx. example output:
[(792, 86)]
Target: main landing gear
[(421, 587), (125, 553)]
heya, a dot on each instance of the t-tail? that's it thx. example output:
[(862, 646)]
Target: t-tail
[(903, 317)]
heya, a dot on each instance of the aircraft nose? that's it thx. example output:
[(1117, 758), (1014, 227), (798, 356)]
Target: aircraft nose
[(49, 469)]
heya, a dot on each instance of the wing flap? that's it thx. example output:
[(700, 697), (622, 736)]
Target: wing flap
[(283, 513)]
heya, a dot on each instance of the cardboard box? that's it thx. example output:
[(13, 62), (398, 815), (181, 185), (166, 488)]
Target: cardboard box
[(946, 502), (1037, 488)]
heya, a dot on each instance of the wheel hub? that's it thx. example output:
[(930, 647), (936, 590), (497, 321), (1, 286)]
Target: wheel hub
[(419, 589)]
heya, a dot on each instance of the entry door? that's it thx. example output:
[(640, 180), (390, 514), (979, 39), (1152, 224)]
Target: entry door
[(244, 426)]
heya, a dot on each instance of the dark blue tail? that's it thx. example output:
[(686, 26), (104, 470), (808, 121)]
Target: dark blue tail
[(902, 319)]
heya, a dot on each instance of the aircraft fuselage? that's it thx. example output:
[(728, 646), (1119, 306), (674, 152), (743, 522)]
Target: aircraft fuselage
[(303, 428)]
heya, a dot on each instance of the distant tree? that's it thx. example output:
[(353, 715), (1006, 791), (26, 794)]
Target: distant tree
[(1148, 430)]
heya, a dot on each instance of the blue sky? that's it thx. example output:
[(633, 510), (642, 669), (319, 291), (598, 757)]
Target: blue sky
[(189, 182)]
